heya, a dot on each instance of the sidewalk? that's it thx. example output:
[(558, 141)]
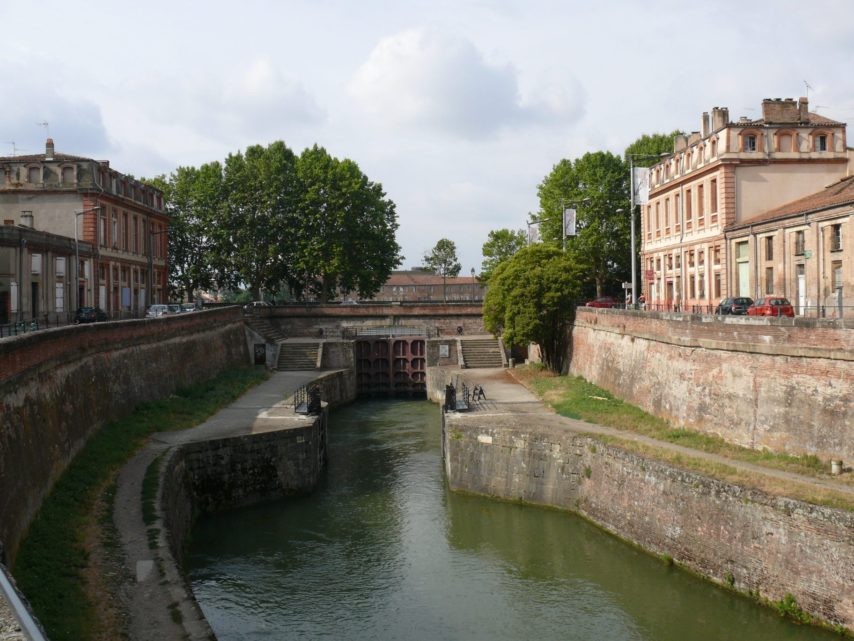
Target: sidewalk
[(506, 396)]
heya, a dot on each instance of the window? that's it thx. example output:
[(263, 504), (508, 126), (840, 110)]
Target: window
[(36, 263), (701, 206), (836, 275), (717, 255), (115, 235), (658, 219), (784, 142), (679, 261), (60, 266), (769, 248), (125, 231), (749, 142), (799, 243), (713, 195), (13, 297), (692, 292), (717, 292), (690, 258), (701, 257), (102, 227), (836, 237), (676, 222), (769, 280), (688, 211), (821, 142), (68, 175), (667, 216), (714, 147), (701, 286), (34, 175), (134, 234), (59, 297), (102, 272)]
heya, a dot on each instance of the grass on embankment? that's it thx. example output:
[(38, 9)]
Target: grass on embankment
[(51, 561), (574, 397)]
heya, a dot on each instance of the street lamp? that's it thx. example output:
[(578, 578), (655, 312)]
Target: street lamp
[(472, 284), (77, 215)]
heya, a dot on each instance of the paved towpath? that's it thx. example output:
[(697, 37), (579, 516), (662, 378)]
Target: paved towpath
[(149, 603), (505, 396)]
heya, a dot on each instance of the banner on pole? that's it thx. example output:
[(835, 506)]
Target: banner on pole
[(640, 184), (533, 233), (569, 222)]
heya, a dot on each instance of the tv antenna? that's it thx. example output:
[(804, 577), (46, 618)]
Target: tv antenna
[(808, 87), (46, 126), (14, 147)]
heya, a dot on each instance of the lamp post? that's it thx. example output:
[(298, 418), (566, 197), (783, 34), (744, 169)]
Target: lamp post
[(472, 284), (632, 214), (77, 215)]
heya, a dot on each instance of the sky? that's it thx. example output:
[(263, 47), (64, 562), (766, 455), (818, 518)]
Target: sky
[(459, 109)]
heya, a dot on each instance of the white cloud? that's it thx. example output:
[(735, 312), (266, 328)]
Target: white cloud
[(422, 78)]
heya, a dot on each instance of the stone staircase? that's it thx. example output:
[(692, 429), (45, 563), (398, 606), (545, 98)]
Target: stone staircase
[(295, 355), (265, 328), (481, 353)]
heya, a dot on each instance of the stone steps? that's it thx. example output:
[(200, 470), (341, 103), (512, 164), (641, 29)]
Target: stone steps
[(481, 353), (265, 328), (297, 356)]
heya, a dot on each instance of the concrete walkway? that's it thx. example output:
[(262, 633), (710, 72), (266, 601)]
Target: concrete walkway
[(506, 397), (144, 596)]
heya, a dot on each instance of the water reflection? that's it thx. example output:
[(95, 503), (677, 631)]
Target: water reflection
[(383, 551)]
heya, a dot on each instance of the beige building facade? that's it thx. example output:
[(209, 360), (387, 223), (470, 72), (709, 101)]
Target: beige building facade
[(117, 225), (725, 176)]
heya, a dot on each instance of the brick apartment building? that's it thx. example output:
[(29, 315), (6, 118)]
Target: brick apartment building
[(423, 286), (725, 177), (103, 238)]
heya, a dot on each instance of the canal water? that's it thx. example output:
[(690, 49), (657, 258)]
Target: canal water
[(384, 551)]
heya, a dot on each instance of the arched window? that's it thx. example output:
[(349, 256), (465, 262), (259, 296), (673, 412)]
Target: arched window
[(821, 141), (750, 141)]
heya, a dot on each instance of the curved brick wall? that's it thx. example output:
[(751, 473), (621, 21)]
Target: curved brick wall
[(777, 384), (58, 386)]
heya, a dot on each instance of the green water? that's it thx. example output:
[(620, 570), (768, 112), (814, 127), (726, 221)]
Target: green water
[(384, 551)]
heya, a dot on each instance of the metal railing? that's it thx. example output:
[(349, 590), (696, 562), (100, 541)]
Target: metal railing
[(804, 311), (307, 400)]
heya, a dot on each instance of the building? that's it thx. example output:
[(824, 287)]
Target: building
[(117, 226), (723, 177), (424, 286), (802, 250)]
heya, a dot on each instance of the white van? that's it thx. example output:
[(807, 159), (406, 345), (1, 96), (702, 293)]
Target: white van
[(156, 311)]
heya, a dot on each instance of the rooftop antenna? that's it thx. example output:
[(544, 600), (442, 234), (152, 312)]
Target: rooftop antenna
[(808, 87), (14, 148), (817, 107), (46, 126)]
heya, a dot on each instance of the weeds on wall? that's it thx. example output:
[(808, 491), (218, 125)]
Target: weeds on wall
[(51, 561)]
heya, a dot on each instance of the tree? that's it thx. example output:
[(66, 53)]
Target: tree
[(442, 261), (347, 229), (500, 245), (649, 147), (597, 186), (531, 298)]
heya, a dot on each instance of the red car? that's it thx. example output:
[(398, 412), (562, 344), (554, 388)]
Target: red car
[(604, 301), (771, 306)]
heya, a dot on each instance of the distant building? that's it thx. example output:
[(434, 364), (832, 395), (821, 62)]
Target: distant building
[(724, 177), (423, 286), (115, 226)]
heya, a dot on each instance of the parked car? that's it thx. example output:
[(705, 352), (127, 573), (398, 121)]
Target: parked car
[(736, 305), (89, 315), (156, 311), (174, 308), (255, 305), (772, 306), (604, 301), (188, 307)]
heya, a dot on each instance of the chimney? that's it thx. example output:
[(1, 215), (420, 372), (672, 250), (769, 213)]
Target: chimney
[(779, 110), (704, 124), (803, 109), (720, 118), (48, 149)]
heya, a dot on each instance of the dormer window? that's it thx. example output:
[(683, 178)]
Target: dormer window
[(749, 142), (821, 142), (34, 175)]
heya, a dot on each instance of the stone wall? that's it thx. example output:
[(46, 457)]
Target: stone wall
[(304, 321), (59, 386), (219, 474), (773, 546), (785, 385)]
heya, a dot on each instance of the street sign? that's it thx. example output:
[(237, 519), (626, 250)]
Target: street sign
[(627, 285)]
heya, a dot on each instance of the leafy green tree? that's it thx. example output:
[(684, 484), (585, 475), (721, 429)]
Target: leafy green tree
[(442, 260), (597, 186), (193, 198), (254, 234), (531, 298), (500, 245), (346, 229), (647, 149)]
